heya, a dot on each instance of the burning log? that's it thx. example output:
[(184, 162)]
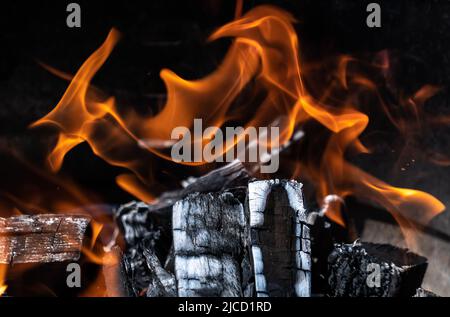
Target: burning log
[(281, 245), (42, 238), (230, 175), (254, 240), (209, 242), (37, 251), (380, 270)]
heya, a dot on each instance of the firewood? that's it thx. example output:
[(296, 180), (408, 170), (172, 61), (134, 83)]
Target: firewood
[(281, 245), (142, 230), (40, 252), (380, 270), (42, 238), (209, 241), (138, 274), (228, 176), (138, 222)]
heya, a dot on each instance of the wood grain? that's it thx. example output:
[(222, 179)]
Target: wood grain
[(41, 238)]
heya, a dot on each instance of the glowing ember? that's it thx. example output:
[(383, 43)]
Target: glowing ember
[(3, 286)]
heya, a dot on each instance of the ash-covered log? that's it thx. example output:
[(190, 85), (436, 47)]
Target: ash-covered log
[(209, 238), (281, 244), (42, 238), (374, 270)]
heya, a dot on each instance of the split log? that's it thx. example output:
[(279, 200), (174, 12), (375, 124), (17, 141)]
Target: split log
[(281, 245), (37, 251), (42, 238), (209, 241), (374, 270)]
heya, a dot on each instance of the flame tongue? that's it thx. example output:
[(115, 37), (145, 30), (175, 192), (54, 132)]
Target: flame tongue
[(3, 286), (264, 51)]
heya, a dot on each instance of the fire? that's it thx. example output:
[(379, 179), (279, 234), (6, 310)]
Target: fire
[(264, 50), (3, 286)]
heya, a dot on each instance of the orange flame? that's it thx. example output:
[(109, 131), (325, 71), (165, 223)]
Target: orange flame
[(3, 286), (265, 52)]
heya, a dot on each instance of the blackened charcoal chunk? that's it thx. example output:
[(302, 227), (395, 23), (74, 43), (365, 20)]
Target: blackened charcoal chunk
[(162, 283), (374, 270), (137, 271), (139, 222)]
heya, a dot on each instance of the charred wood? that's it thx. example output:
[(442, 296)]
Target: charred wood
[(38, 249), (280, 234), (374, 270), (42, 238), (162, 282), (209, 242)]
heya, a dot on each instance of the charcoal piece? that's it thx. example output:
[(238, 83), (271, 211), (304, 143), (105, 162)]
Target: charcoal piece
[(209, 240), (136, 269), (374, 270), (280, 238), (42, 238), (139, 223), (162, 283)]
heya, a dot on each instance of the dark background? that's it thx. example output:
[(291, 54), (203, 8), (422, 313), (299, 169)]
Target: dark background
[(172, 34)]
